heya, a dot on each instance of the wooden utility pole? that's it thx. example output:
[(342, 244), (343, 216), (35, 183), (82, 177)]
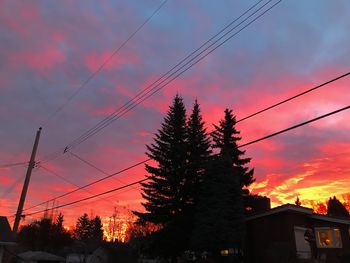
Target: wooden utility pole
[(26, 183)]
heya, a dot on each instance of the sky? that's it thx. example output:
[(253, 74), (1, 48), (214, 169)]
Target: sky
[(48, 49)]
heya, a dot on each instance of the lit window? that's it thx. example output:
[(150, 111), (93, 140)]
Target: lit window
[(328, 237)]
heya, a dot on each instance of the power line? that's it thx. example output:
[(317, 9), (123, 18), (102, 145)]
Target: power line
[(6, 165), (240, 120), (90, 197), (69, 182), (94, 166), (148, 92), (88, 163), (59, 176), (294, 97), (109, 197), (240, 146), (295, 126), (58, 153), (12, 187), (90, 184), (104, 63)]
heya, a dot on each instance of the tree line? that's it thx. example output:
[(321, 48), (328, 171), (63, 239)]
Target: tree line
[(50, 235)]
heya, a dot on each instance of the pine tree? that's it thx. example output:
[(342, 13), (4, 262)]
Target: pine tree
[(59, 221), (59, 235), (82, 228), (96, 229), (225, 137), (219, 221), (164, 192), (336, 208), (199, 153)]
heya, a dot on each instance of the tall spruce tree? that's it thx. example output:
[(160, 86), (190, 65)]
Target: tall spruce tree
[(96, 230), (164, 192), (82, 228), (199, 153), (219, 220), (225, 138), (219, 214)]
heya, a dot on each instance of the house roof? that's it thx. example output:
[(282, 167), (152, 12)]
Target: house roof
[(39, 255), (6, 235), (282, 208), (300, 209)]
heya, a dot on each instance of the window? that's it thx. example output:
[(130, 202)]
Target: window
[(328, 237)]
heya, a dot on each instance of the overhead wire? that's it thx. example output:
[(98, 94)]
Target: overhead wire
[(240, 146), (90, 197), (89, 184), (148, 92), (243, 119), (70, 182), (93, 166), (103, 64), (127, 105), (6, 165), (294, 97), (106, 119), (11, 187)]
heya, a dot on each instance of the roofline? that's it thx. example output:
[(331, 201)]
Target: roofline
[(299, 209), (331, 219), (282, 208)]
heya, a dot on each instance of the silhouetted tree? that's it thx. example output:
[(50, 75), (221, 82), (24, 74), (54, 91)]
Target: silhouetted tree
[(297, 201), (199, 153), (59, 221), (60, 236), (82, 228), (96, 229), (255, 204), (164, 192), (219, 220), (225, 137), (89, 231), (44, 235), (336, 208)]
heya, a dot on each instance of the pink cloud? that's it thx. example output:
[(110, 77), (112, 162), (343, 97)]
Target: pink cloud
[(94, 60)]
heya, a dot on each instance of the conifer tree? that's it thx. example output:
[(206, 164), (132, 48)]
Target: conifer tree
[(199, 153), (219, 220), (96, 229), (82, 228), (225, 138), (164, 192), (336, 208)]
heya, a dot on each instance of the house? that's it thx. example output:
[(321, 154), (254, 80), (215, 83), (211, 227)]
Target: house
[(295, 232), (6, 236)]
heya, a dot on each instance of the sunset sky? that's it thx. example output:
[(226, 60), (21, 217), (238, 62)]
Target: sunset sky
[(48, 49)]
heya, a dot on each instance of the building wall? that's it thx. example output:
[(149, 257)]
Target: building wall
[(271, 238), (332, 254)]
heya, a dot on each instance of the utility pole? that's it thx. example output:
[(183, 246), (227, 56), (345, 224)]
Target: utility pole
[(26, 183)]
